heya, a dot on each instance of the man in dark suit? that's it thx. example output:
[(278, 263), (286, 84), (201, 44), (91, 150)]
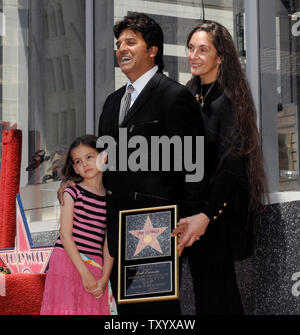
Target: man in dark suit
[(159, 106)]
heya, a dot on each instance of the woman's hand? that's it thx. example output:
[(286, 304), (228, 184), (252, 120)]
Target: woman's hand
[(190, 229), (63, 186)]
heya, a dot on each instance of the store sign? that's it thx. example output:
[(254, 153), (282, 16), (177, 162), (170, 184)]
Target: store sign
[(296, 25)]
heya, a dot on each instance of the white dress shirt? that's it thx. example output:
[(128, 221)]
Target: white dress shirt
[(140, 83)]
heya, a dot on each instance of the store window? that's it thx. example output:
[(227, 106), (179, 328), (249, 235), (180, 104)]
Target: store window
[(43, 81), (279, 43), (56, 84), (43, 93), (288, 90)]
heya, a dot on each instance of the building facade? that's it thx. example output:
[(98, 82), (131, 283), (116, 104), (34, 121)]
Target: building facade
[(58, 66)]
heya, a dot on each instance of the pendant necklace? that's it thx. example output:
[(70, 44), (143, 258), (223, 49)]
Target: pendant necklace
[(200, 97)]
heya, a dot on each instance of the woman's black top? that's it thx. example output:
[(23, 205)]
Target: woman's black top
[(225, 186)]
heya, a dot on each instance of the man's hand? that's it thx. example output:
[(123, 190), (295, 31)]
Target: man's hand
[(63, 186)]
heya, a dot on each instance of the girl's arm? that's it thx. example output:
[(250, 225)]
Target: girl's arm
[(66, 229), (108, 262)]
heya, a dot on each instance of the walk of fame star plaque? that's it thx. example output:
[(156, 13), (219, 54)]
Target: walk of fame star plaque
[(148, 257)]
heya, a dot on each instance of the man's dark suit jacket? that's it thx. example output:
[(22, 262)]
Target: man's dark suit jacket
[(164, 107)]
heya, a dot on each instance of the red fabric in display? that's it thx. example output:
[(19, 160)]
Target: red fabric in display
[(9, 185), (24, 293)]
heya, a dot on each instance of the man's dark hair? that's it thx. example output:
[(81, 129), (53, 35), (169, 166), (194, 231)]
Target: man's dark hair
[(150, 30)]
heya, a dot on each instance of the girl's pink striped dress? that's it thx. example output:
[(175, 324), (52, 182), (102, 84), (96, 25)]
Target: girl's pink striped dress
[(64, 292)]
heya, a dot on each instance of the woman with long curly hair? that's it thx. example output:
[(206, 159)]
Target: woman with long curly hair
[(234, 184)]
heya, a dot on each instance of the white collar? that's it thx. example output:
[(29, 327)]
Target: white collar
[(142, 81)]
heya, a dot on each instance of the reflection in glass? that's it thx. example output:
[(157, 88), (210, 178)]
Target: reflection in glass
[(56, 84), (288, 90)]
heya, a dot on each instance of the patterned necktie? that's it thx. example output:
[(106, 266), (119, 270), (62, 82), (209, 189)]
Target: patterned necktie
[(125, 103)]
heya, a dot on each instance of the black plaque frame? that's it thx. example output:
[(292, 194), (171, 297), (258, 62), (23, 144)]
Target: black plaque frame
[(151, 274)]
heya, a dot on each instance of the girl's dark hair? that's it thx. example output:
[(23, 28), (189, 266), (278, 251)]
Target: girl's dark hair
[(68, 170), (233, 82), (150, 30)]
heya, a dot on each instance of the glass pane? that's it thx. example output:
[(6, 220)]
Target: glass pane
[(43, 71), (56, 84), (8, 70), (177, 18), (288, 89)]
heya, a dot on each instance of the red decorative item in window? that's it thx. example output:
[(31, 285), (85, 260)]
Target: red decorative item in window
[(9, 185)]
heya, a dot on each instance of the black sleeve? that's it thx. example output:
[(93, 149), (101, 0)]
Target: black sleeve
[(231, 168)]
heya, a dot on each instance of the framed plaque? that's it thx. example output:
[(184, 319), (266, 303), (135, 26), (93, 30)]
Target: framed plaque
[(148, 256)]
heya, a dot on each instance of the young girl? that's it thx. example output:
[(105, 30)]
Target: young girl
[(77, 281)]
